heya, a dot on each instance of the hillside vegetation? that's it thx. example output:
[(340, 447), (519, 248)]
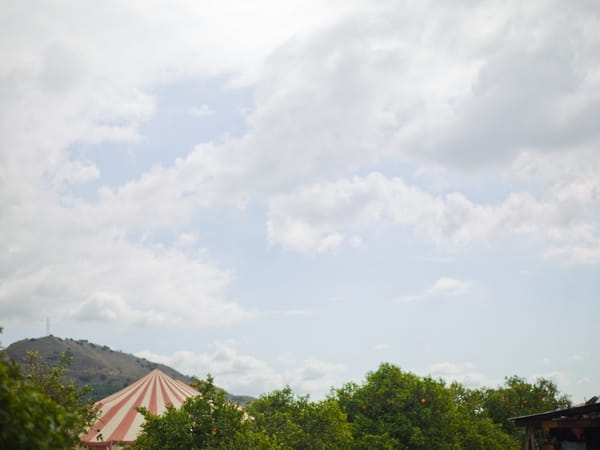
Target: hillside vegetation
[(98, 366)]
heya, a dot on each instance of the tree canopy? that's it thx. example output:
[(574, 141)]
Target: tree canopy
[(392, 409), (400, 410), (295, 422), (39, 408), (206, 421), (517, 397)]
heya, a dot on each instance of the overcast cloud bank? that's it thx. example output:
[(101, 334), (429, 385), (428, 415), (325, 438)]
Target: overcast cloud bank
[(462, 128)]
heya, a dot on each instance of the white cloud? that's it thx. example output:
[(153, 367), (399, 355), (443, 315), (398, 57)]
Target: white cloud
[(316, 377), (77, 172), (578, 254), (76, 255), (64, 81), (572, 183), (244, 374), (443, 287), (107, 308), (449, 287), (439, 259), (381, 347), (410, 93), (345, 95), (292, 312), (238, 373), (202, 111), (306, 219), (464, 373), (409, 298), (186, 240), (557, 377), (418, 89), (432, 99)]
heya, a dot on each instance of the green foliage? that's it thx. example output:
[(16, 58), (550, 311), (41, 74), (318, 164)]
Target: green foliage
[(294, 422), (517, 397), (207, 421), (400, 410), (51, 380), (391, 410), (475, 429), (279, 420), (38, 408)]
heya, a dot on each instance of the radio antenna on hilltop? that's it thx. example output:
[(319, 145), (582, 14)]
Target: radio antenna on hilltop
[(47, 326)]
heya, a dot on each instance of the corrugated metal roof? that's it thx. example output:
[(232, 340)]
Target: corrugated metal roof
[(590, 408), (120, 422)]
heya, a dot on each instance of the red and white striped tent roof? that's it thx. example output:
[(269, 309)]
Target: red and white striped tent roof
[(118, 419)]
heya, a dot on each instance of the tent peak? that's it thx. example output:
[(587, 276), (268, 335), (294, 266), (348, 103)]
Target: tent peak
[(119, 420)]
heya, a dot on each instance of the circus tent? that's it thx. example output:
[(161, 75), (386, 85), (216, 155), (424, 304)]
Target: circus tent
[(118, 419)]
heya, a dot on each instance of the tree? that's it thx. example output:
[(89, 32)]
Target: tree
[(206, 421), (277, 421), (295, 422), (517, 397), (51, 380), (40, 409), (399, 410), (476, 429)]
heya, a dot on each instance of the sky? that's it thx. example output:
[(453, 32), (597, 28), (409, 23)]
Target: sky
[(292, 192)]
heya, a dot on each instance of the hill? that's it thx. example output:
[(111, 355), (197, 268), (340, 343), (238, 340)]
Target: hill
[(98, 366)]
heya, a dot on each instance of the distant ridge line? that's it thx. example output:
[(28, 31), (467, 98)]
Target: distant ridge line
[(103, 369)]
